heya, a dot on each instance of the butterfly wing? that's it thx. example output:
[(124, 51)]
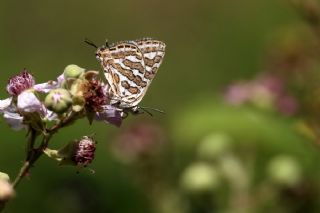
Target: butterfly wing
[(124, 70), (153, 52)]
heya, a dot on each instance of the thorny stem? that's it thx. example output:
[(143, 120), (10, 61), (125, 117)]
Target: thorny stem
[(33, 154)]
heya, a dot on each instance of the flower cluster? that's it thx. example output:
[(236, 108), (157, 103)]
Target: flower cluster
[(42, 109), (75, 91), (267, 91)]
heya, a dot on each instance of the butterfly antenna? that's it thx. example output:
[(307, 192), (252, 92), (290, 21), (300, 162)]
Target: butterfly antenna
[(89, 42), (150, 108), (148, 112), (107, 43)]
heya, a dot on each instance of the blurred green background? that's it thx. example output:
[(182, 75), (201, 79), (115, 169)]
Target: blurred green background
[(209, 45)]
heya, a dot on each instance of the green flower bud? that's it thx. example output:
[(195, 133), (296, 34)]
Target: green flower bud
[(6, 191), (73, 71), (58, 100), (4, 176), (200, 178), (284, 170), (214, 145)]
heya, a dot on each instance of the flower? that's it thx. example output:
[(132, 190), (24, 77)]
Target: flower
[(109, 114), (16, 109), (17, 84), (266, 91), (237, 94)]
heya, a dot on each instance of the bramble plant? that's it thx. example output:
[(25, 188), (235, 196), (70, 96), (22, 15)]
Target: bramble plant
[(43, 109)]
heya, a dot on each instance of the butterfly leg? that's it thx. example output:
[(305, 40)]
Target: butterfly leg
[(124, 114), (139, 110)]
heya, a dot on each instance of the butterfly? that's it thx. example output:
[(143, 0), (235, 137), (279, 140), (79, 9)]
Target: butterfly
[(129, 68)]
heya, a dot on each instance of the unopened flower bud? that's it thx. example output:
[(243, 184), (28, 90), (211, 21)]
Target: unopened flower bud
[(214, 145), (6, 189), (79, 152), (4, 176), (200, 178), (58, 100), (17, 84), (73, 71), (284, 170)]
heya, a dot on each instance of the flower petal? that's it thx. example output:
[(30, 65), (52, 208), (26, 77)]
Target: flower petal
[(50, 85), (28, 102), (46, 87), (50, 115), (4, 104), (14, 120), (111, 115)]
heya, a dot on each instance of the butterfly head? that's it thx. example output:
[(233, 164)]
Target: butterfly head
[(102, 53)]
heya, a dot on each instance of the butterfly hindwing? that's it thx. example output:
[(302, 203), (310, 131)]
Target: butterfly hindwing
[(124, 70), (153, 52), (129, 68)]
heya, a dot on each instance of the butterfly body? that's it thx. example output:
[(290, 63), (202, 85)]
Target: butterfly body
[(129, 68)]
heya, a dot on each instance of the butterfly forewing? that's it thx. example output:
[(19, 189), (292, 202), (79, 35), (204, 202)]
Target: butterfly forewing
[(153, 52), (129, 68)]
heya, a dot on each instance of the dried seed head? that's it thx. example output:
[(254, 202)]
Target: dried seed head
[(85, 150), (17, 84), (95, 95)]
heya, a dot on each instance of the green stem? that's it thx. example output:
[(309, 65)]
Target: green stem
[(33, 154)]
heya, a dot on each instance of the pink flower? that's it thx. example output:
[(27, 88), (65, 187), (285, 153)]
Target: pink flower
[(266, 91), (109, 114), (238, 93), (25, 101), (287, 105)]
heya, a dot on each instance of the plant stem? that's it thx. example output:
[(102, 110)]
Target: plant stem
[(33, 154)]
